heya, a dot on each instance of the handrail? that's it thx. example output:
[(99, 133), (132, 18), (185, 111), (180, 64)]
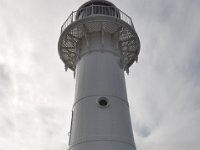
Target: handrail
[(96, 10)]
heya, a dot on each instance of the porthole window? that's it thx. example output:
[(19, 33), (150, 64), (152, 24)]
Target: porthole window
[(103, 102)]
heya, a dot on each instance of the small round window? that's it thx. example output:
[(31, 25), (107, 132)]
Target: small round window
[(103, 102)]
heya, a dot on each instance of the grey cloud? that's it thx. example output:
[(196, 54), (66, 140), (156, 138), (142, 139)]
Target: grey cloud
[(4, 76), (5, 83), (7, 127), (166, 80)]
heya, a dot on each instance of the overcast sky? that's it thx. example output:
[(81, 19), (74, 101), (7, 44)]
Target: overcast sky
[(36, 94)]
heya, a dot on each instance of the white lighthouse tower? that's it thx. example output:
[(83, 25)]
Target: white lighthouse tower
[(98, 42)]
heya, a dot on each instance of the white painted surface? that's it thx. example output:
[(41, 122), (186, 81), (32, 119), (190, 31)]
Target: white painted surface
[(99, 74)]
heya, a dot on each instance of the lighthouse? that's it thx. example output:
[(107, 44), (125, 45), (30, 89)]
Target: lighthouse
[(98, 43)]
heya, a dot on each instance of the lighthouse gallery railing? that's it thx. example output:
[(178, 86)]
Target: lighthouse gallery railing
[(96, 10)]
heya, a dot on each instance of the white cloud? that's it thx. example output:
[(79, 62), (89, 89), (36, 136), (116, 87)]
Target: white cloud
[(166, 80)]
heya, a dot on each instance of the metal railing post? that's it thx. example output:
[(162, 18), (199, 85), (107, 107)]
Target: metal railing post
[(97, 10), (92, 9), (115, 12), (72, 17)]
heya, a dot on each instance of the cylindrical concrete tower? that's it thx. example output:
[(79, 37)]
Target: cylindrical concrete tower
[(98, 42)]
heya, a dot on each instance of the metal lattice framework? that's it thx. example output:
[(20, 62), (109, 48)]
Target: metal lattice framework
[(95, 18)]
